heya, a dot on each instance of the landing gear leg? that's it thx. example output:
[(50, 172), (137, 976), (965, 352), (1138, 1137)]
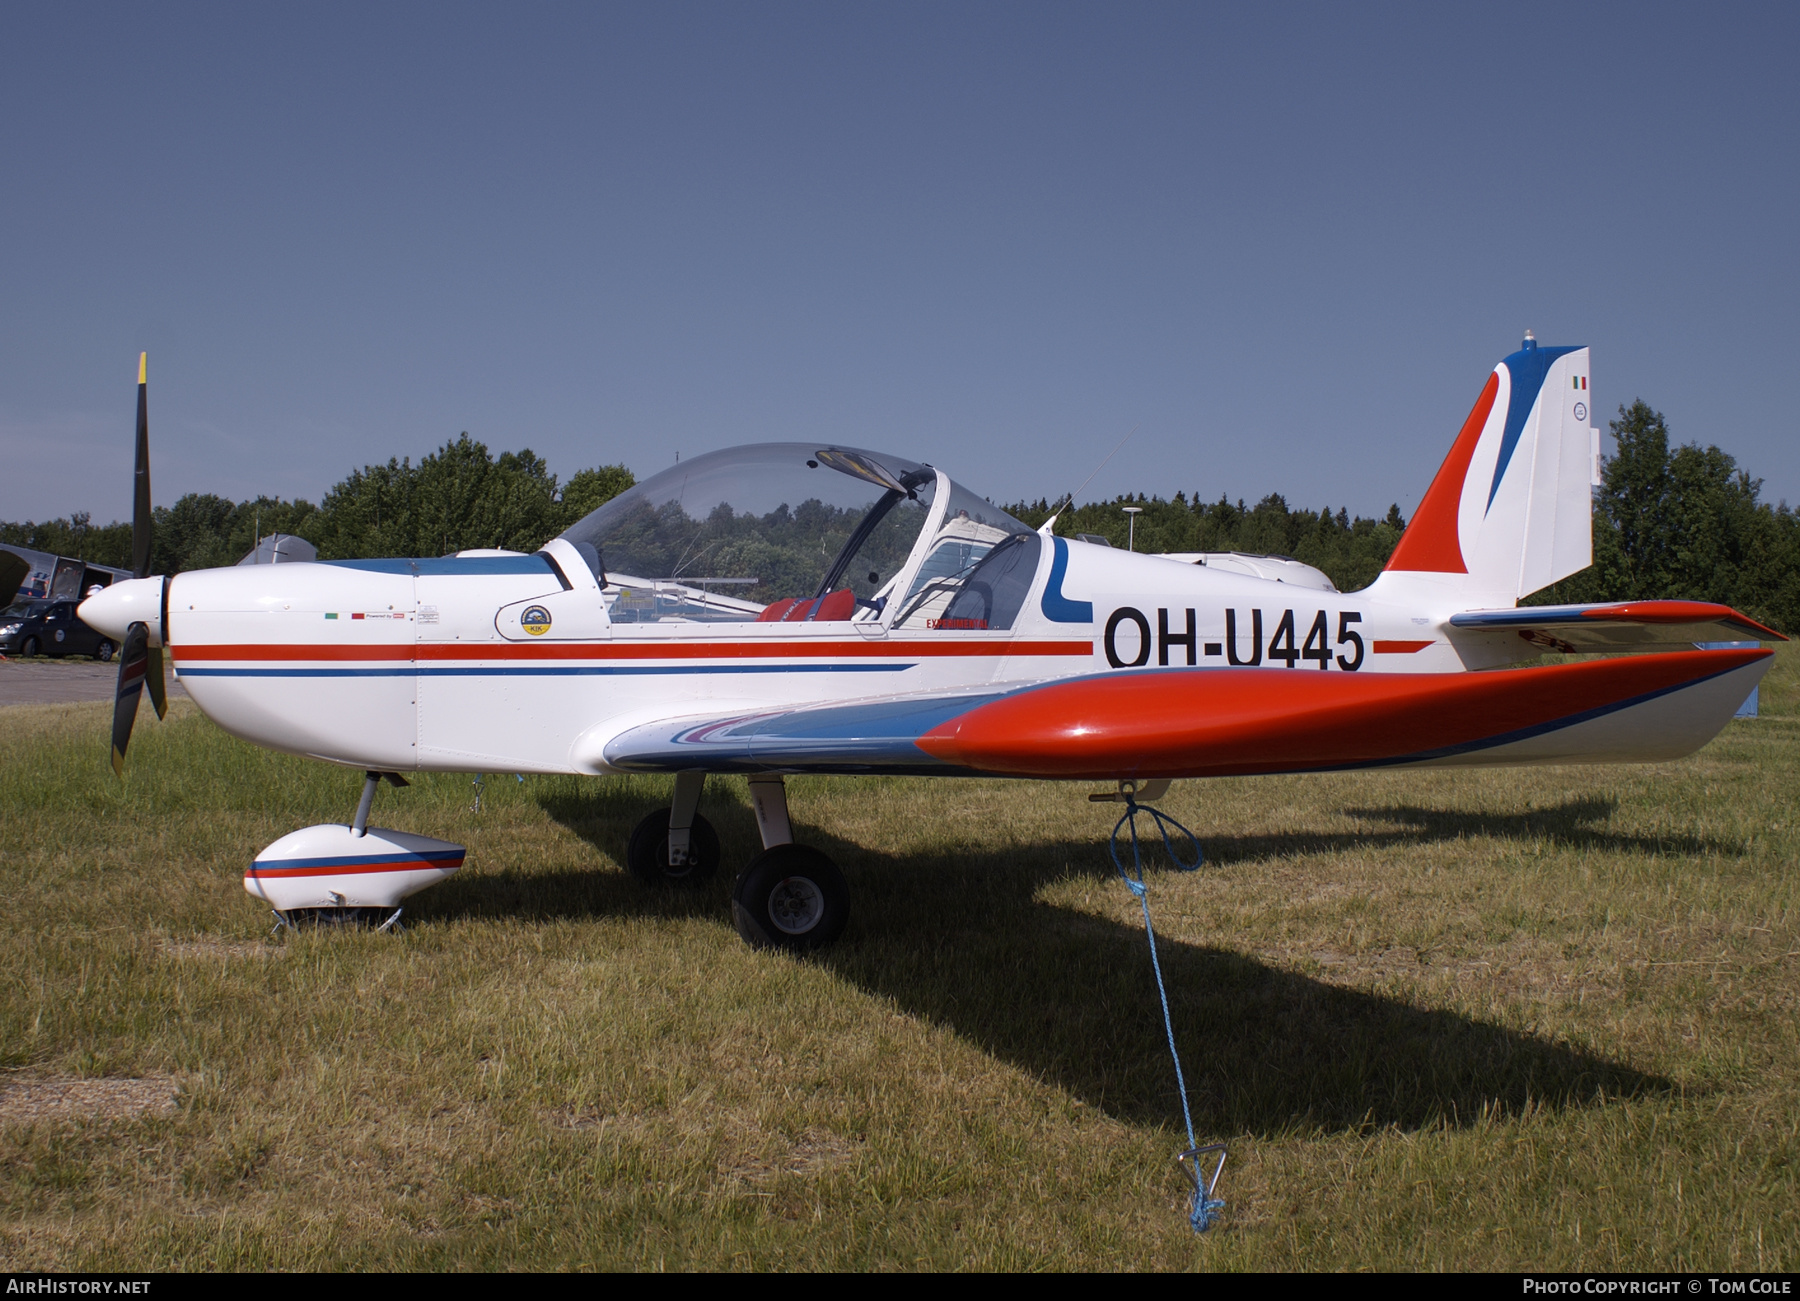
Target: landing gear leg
[(682, 811), (768, 796), (372, 783), (675, 846), (789, 896)]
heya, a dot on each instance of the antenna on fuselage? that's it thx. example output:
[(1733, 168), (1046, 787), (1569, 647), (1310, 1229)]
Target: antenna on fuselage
[(1066, 501)]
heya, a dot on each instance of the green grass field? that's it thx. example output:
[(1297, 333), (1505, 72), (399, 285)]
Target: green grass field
[(1541, 1018)]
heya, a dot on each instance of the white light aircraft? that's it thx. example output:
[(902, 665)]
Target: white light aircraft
[(805, 608)]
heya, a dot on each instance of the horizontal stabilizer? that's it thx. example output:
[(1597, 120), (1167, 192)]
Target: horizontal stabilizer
[(1622, 626)]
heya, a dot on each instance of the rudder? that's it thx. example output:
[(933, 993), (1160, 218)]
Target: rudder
[(1511, 509)]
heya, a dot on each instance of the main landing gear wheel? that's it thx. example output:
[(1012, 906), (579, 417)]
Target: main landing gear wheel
[(648, 854), (790, 897)]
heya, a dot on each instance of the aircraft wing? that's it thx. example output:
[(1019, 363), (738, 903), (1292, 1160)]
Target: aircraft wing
[(1622, 626), (1151, 723)]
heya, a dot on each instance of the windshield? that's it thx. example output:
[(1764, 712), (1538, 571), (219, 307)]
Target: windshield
[(972, 527), (25, 609), (777, 530)]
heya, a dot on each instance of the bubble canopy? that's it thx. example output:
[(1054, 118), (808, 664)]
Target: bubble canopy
[(785, 531)]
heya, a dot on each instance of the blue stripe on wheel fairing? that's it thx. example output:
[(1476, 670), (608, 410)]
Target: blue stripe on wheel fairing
[(423, 859)]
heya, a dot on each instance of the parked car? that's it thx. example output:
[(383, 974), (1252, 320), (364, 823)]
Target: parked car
[(37, 627)]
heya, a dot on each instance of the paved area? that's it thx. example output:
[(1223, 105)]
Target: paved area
[(61, 682)]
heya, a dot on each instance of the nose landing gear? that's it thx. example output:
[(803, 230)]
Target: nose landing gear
[(356, 875), (675, 846)]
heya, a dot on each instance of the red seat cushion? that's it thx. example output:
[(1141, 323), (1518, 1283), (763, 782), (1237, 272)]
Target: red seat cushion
[(840, 604), (776, 611)]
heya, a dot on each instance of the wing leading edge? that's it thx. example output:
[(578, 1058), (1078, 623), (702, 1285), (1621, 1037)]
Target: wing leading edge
[(1224, 722)]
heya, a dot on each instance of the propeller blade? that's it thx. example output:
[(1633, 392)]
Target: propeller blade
[(140, 503), (153, 679), (134, 659)]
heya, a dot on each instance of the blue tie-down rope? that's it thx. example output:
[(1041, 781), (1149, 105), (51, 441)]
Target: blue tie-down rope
[(1205, 1207)]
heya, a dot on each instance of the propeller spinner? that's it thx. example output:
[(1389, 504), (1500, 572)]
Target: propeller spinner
[(132, 611)]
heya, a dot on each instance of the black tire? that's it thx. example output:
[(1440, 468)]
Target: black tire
[(29, 648), (790, 897), (104, 652), (647, 856)]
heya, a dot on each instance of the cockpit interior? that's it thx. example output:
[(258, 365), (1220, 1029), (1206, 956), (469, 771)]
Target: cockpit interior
[(796, 533)]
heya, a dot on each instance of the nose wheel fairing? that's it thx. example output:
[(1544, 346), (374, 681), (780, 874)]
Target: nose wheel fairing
[(330, 866), (345, 874)]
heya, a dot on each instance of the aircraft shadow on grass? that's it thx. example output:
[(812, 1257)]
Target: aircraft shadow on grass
[(962, 941), (1571, 823)]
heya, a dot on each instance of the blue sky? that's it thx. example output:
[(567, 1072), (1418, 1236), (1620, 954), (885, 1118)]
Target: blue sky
[(1283, 243)]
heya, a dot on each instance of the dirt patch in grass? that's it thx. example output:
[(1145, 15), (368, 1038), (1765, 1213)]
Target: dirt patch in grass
[(215, 949), (575, 1118), (814, 1152), (55, 1098)]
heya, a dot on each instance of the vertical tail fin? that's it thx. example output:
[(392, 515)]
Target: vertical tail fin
[(1511, 508)]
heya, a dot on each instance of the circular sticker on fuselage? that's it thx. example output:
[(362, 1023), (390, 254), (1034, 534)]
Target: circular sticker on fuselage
[(535, 621)]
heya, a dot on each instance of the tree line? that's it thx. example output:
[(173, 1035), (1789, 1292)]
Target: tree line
[(458, 498), (1670, 521), (1351, 551)]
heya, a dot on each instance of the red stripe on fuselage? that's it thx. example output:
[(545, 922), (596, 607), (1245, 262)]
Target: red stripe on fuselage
[(1235, 721), (661, 650)]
